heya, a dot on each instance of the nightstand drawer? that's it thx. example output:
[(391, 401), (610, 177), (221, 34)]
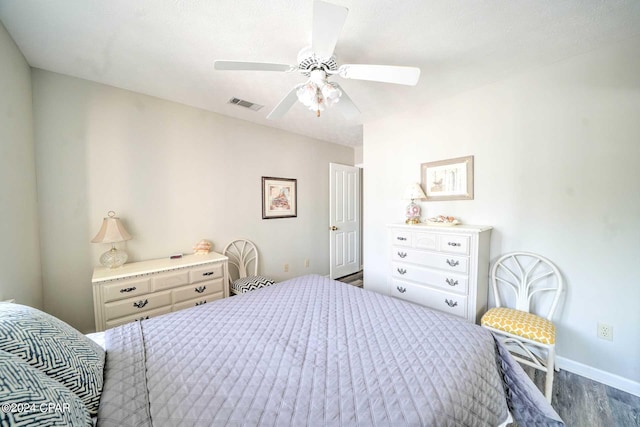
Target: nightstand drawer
[(125, 289), (201, 289), (170, 280), (208, 272), (132, 306), (454, 244), (440, 279), (198, 301), (140, 316), (442, 301)]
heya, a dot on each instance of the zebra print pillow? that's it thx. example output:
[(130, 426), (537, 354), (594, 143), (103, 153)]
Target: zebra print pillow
[(247, 284), (55, 348), (29, 397)]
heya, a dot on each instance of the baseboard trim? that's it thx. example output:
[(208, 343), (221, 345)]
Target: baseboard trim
[(601, 376)]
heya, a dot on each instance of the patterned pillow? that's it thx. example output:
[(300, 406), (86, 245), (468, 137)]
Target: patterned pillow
[(246, 284), (29, 397), (55, 348)]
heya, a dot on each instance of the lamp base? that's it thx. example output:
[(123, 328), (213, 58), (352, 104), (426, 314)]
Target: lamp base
[(412, 213), (113, 258)]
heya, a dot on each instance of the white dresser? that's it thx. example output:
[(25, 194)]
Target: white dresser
[(444, 268), (141, 290)]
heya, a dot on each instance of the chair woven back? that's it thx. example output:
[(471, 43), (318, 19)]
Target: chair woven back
[(243, 259), (522, 278)]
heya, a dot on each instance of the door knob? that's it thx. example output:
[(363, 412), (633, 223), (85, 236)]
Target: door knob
[(333, 228)]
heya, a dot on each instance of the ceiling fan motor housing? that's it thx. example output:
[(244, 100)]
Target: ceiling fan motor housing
[(308, 61)]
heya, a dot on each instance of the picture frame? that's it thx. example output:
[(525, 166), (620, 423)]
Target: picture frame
[(279, 197), (450, 179)]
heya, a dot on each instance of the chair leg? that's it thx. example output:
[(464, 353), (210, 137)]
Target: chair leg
[(548, 386)]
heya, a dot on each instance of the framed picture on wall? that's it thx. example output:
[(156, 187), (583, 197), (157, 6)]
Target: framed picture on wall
[(279, 197), (450, 179)]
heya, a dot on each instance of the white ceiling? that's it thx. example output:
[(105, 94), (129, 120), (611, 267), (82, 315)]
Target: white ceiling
[(166, 48)]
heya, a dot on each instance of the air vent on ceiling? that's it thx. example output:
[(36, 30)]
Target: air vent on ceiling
[(245, 104)]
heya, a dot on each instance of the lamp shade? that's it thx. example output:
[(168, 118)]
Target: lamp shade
[(111, 231), (414, 191)]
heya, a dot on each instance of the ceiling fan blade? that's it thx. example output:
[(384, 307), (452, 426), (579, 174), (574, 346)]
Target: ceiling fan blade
[(381, 73), (346, 106), (284, 105), (328, 20), (252, 66)]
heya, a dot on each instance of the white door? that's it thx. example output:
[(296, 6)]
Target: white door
[(344, 220)]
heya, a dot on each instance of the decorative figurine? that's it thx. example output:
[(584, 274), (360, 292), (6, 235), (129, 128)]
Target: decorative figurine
[(443, 220), (203, 247)]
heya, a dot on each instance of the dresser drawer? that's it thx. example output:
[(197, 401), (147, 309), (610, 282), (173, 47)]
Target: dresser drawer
[(442, 301), (207, 272), (457, 264), (454, 244), (446, 281), (140, 316), (125, 289), (401, 238), (197, 290), (131, 306), (425, 241), (170, 280), (197, 301)]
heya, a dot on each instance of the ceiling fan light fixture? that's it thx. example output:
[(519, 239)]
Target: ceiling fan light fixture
[(331, 94), (317, 96)]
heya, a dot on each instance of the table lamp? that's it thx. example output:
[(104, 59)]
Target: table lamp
[(112, 231), (413, 192)]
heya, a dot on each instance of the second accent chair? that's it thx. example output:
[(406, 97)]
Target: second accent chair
[(243, 267), (532, 285)]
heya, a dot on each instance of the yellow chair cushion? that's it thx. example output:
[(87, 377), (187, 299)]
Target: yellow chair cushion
[(520, 323)]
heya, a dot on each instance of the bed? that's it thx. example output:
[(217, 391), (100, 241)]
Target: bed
[(311, 351)]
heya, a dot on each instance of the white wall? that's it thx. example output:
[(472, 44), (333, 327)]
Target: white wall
[(19, 253), (557, 171), (175, 175)]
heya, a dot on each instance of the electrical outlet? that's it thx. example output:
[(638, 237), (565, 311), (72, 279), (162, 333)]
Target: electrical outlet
[(306, 263), (286, 268), (605, 331)]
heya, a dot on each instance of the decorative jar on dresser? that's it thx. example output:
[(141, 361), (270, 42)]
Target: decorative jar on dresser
[(140, 290), (440, 267)]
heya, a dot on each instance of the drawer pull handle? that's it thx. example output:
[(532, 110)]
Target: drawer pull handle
[(140, 303), (401, 238), (131, 289), (451, 303), (452, 262), (454, 244), (452, 282), (402, 254), (200, 289), (401, 289), (402, 271), (208, 273), (201, 302)]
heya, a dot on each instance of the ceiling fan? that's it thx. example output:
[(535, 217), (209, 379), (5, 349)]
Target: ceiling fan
[(319, 63)]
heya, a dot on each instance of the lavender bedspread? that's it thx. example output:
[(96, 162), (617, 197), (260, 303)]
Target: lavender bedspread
[(313, 351)]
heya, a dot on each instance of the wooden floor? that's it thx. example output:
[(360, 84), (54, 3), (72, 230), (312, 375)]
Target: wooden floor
[(353, 279), (579, 401), (583, 402)]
